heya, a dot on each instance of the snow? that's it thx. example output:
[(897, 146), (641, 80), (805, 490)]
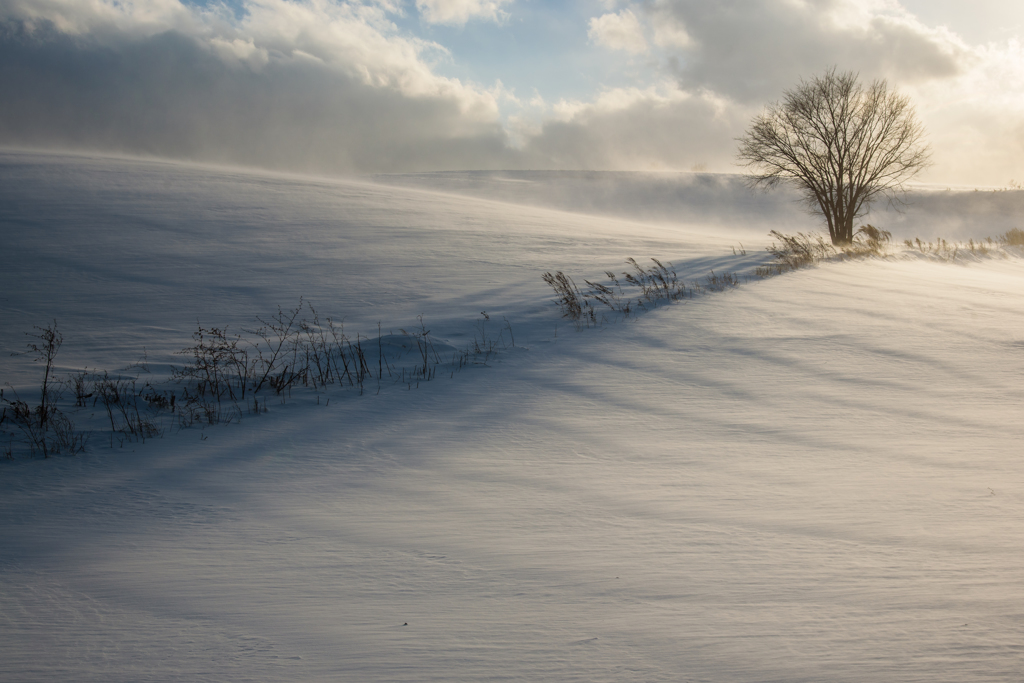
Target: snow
[(724, 201), (811, 477)]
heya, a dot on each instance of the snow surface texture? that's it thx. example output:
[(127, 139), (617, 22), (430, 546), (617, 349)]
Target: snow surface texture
[(812, 477)]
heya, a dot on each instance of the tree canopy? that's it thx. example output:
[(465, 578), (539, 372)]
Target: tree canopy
[(842, 144)]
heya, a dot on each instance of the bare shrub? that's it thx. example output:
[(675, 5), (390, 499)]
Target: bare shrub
[(224, 369), (128, 411), (224, 376), (64, 437), (20, 415), (316, 349), (219, 367), (425, 348), (278, 367), (45, 428), (78, 382)]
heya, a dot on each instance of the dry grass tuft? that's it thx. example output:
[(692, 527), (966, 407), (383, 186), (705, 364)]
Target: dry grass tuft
[(800, 250), (632, 291), (795, 251), (1014, 237), (573, 303)]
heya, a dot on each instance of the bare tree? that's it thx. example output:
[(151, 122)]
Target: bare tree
[(843, 145)]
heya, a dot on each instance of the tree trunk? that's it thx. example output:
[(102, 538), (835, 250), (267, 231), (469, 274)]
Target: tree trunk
[(843, 231)]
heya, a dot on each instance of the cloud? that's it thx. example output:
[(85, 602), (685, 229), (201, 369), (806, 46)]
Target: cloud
[(671, 34), (350, 37), (656, 128), (458, 12), (969, 98), (335, 86), (742, 54), (621, 31), (100, 17), (727, 59), (976, 118), (751, 50), (309, 86)]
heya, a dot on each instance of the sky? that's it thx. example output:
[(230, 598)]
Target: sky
[(354, 87)]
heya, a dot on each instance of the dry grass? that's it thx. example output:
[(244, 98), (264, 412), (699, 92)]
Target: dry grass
[(225, 376), (800, 250), (1013, 237), (45, 428), (795, 251), (574, 304), (941, 249), (634, 290)]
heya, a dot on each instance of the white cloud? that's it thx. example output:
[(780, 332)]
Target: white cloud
[(752, 50), (352, 37), (138, 17), (315, 85), (621, 31), (976, 119), (336, 86), (655, 128), (731, 57), (970, 98), (242, 51), (458, 12), (671, 34)]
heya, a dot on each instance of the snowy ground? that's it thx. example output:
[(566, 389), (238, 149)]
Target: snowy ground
[(812, 477)]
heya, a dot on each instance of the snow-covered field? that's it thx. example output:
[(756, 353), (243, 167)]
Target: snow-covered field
[(812, 477)]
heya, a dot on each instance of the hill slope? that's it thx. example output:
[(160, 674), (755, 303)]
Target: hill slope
[(810, 477)]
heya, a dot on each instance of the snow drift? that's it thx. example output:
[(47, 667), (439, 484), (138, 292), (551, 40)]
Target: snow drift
[(810, 477)]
